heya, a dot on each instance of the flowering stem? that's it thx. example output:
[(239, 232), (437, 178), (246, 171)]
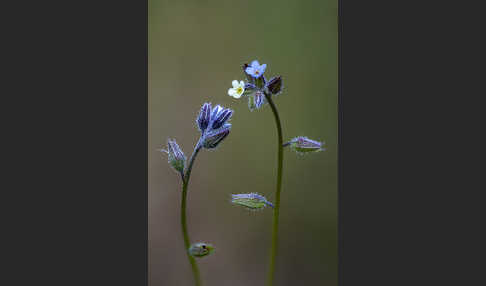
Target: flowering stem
[(273, 253), (185, 183)]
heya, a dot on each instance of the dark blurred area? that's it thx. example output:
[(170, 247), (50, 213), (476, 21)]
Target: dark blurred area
[(196, 48)]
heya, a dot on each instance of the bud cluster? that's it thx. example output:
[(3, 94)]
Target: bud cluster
[(213, 125)]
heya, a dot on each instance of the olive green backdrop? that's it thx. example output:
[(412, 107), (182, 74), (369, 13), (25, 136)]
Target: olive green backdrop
[(196, 49)]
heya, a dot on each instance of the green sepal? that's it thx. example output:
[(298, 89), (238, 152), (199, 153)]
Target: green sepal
[(260, 82), (251, 102)]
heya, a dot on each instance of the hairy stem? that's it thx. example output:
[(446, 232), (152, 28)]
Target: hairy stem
[(273, 252), (187, 244)]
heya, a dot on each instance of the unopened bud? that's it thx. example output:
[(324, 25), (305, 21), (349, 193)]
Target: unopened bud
[(259, 99), (249, 89), (200, 249), (177, 159), (251, 201), (204, 117), (221, 117), (303, 145), (212, 139), (274, 85)]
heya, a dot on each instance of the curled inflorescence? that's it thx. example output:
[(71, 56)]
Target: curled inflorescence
[(257, 86), (213, 125)]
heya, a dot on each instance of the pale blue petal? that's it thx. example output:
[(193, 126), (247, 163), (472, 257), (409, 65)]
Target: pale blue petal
[(263, 67)]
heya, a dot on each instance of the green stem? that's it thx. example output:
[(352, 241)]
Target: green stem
[(187, 244), (273, 253)]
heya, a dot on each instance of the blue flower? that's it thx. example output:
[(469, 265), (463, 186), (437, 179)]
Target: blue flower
[(255, 69)]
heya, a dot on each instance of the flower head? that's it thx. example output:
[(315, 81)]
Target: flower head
[(257, 88), (251, 201), (237, 90), (304, 145), (213, 124), (255, 69), (200, 249), (177, 159)]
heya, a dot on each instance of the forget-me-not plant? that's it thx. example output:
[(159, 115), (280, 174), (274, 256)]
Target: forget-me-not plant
[(214, 127), (259, 92)]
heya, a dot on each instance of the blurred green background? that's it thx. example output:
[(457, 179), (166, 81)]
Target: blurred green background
[(196, 48)]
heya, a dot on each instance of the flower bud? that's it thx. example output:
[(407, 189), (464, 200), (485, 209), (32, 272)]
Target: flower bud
[(249, 89), (274, 85), (204, 117), (200, 249), (221, 118), (251, 201), (259, 99), (177, 159), (212, 138), (303, 145)]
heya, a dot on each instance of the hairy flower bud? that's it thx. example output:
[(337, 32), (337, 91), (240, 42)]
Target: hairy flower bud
[(249, 88), (251, 201), (303, 145), (213, 125), (211, 139), (204, 117), (259, 99), (177, 159), (200, 249), (221, 118), (274, 85)]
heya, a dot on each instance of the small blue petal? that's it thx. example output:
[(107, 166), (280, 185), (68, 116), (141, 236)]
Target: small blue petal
[(263, 68), (250, 70), (255, 64)]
